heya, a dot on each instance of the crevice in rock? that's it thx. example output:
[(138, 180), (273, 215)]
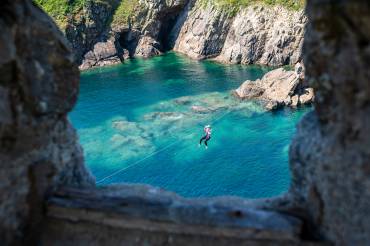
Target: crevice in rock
[(128, 39), (168, 21), (39, 174)]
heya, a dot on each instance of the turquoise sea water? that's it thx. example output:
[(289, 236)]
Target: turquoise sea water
[(137, 124)]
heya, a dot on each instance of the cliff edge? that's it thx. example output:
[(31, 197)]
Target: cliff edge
[(110, 31)]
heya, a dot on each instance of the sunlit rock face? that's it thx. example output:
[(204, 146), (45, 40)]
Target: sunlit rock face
[(38, 146), (330, 156), (257, 34), (265, 35), (276, 89), (203, 32)]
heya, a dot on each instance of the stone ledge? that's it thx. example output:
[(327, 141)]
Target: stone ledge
[(151, 209)]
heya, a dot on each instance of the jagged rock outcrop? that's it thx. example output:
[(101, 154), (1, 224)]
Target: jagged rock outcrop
[(269, 35), (330, 155), (89, 27), (39, 150), (103, 53), (204, 31), (150, 26), (147, 47), (264, 35), (257, 34), (277, 88), (145, 34)]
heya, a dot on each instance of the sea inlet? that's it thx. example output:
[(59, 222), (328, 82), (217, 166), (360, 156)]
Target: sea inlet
[(141, 121)]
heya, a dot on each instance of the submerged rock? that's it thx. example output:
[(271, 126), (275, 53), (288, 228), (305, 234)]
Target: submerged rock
[(131, 146), (183, 100), (201, 109), (163, 116), (277, 88), (124, 126)]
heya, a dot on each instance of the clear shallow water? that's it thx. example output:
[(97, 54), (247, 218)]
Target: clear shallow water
[(138, 118)]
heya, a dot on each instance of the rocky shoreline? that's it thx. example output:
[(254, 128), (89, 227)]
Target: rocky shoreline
[(256, 34), (278, 88)]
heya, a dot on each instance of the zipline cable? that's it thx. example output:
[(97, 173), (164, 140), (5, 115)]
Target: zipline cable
[(155, 152)]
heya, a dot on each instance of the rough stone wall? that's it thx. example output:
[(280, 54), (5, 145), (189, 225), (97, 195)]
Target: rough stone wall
[(144, 35), (264, 35), (89, 27), (38, 146), (330, 155), (144, 215), (203, 33), (256, 34)]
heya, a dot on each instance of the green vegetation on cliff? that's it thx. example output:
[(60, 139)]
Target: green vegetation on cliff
[(124, 11), (60, 9), (235, 5)]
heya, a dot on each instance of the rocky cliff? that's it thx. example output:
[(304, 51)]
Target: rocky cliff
[(251, 34), (89, 26), (39, 150), (268, 35), (330, 155)]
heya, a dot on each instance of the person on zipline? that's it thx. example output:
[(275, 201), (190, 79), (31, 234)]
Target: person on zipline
[(207, 137)]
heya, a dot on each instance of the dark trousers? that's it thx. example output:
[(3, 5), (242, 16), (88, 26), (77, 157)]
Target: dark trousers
[(207, 138)]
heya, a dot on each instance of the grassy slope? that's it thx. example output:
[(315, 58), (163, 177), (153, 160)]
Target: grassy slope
[(60, 9), (124, 11), (127, 8), (235, 5)]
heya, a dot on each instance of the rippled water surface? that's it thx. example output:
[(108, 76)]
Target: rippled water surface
[(137, 125)]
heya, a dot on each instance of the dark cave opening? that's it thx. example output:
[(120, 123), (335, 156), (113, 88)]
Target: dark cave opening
[(168, 33), (128, 40)]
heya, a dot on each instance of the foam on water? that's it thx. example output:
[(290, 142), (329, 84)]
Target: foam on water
[(142, 112)]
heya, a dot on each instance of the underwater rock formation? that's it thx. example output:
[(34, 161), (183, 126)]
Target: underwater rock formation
[(166, 122), (277, 88)]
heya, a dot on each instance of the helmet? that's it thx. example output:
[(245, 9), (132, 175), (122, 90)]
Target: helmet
[(208, 126)]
